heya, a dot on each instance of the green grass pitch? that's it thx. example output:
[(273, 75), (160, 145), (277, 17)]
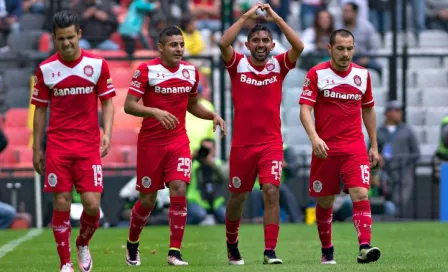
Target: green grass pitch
[(405, 247)]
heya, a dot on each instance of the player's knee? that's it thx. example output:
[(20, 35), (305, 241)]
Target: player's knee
[(178, 188), (359, 194), (237, 199), (148, 200), (62, 201), (326, 201), (271, 194), (91, 207)]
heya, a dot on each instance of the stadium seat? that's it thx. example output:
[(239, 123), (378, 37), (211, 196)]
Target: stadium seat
[(375, 79), (45, 42), (434, 116), (291, 97), (8, 157), (296, 135), (429, 78), (294, 79), (414, 97), (415, 115), (124, 120), (114, 158), (31, 21), (17, 135), (125, 136), (16, 117), (432, 134), (121, 77), (17, 78), (434, 97), (130, 154), (420, 134), (380, 95), (113, 64), (18, 97), (25, 40), (24, 156)]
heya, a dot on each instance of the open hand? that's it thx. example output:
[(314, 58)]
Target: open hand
[(105, 144), (218, 121), (319, 148), (168, 120), (374, 157), (38, 161)]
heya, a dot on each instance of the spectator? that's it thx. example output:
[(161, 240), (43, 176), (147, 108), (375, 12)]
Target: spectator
[(379, 15), (316, 39), (363, 7), (131, 29), (7, 215), (418, 15), (207, 13), (281, 7), (97, 22), (33, 6), (204, 195), (399, 153), (199, 129), (194, 45), (442, 150), (308, 9), (437, 14), (10, 13), (365, 38)]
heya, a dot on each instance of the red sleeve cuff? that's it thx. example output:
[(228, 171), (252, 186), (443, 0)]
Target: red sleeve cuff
[(107, 96), (369, 104), (135, 92), (39, 103), (288, 63), (307, 101)]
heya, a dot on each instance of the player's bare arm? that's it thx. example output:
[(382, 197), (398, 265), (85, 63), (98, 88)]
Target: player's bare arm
[(40, 116), (132, 107), (196, 108), (369, 119), (108, 121), (293, 39), (319, 146), (225, 44)]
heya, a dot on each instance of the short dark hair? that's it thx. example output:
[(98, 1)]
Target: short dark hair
[(168, 32), (354, 6), (256, 28), (64, 19), (341, 32)]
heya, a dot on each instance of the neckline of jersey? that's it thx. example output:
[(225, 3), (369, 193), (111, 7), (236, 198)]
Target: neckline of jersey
[(259, 68), (341, 73), (71, 64), (171, 69)]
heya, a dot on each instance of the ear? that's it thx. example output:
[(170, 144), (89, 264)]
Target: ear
[(160, 47), (329, 48), (247, 45), (273, 46), (80, 33)]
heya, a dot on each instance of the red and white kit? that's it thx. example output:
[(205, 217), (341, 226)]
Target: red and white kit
[(163, 155), (257, 145), (73, 136), (337, 98)]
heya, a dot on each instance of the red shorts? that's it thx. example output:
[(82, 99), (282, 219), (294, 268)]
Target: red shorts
[(249, 161), (61, 173), (160, 164), (326, 174)]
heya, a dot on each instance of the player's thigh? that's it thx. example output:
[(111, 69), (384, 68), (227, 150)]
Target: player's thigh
[(325, 176), (59, 174), (356, 172), (151, 162), (89, 174), (178, 165), (243, 168), (270, 164)]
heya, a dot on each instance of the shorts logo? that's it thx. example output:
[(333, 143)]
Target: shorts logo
[(317, 186), (146, 182), (357, 80), (186, 74), (236, 182), (88, 70), (136, 74), (52, 179)]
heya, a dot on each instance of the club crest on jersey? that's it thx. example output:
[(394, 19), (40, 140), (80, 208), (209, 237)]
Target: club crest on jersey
[(307, 82), (146, 182), (270, 66), (236, 182), (136, 74), (357, 80), (186, 74), (88, 70), (317, 186), (52, 179)]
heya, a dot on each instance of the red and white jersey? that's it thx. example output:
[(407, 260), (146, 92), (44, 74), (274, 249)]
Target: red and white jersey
[(257, 95), (337, 98), (72, 90), (168, 89)]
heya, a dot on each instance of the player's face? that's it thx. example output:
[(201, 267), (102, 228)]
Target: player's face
[(342, 52), (260, 45), (66, 41), (172, 50)]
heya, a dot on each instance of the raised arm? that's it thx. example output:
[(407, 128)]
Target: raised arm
[(225, 44), (293, 39)]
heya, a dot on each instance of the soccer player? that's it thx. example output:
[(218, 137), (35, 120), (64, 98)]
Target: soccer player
[(257, 145), (168, 87), (70, 82), (338, 91)]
